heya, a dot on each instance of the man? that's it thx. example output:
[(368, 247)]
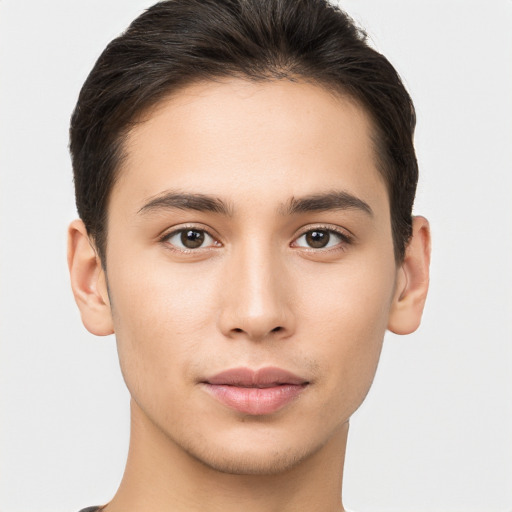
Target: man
[(245, 176)]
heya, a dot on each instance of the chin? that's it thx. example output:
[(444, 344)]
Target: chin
[(251, 462), (255, 445)]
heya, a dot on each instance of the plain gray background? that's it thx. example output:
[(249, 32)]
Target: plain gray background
[(435, 434)]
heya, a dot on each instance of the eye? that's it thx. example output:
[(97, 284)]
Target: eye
[(321, 239), (189, 239)]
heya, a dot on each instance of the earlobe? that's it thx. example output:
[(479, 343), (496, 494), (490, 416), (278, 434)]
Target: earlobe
[(412, 281), (88, 281)]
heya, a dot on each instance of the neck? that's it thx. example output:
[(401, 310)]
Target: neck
[(161, 477)]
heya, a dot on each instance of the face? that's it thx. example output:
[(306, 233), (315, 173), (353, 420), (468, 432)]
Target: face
[(250, 269)]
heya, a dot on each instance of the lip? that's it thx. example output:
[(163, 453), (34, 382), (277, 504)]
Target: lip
[(255, 392)]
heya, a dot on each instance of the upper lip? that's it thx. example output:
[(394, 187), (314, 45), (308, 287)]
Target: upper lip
[(260, 378)]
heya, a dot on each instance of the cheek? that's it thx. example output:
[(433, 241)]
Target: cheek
[(348, 314), (352, 297), (159, 316)]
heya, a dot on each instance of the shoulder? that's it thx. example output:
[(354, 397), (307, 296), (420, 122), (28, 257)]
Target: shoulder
[(90, 509)]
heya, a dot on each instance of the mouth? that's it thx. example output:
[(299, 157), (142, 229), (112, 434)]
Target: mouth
[(255, 392)]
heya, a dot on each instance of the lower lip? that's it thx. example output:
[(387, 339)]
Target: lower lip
[(255, 401)]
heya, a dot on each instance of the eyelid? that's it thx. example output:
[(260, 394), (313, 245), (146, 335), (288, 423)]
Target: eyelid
[(347, 238), (346, 233), (168, 233)]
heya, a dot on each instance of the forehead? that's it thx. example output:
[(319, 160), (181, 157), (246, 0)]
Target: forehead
[(241, 138)]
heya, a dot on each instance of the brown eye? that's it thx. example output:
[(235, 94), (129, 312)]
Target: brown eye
[(317, 239), (321, 239), (192, 238), (188, 239)]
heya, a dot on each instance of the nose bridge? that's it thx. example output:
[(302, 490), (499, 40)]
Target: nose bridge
[(255, 301)]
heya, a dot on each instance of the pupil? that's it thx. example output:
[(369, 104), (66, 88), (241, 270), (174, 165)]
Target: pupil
[(317, 239), (192, 239)]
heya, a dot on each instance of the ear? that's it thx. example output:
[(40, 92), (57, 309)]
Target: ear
[(412, 281), (88, 281)]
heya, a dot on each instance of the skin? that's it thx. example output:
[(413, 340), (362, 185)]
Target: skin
[(254, 295)]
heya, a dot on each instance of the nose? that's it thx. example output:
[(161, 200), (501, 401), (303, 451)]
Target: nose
[(256, 296)]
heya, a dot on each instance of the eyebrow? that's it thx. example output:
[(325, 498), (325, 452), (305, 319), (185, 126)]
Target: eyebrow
[(335, 200), (184, 201)]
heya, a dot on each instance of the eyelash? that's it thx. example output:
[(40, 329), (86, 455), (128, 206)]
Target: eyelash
[(167, 236), (345, 239)]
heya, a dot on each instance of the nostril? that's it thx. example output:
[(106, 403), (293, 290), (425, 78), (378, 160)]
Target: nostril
[(256, 333)]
